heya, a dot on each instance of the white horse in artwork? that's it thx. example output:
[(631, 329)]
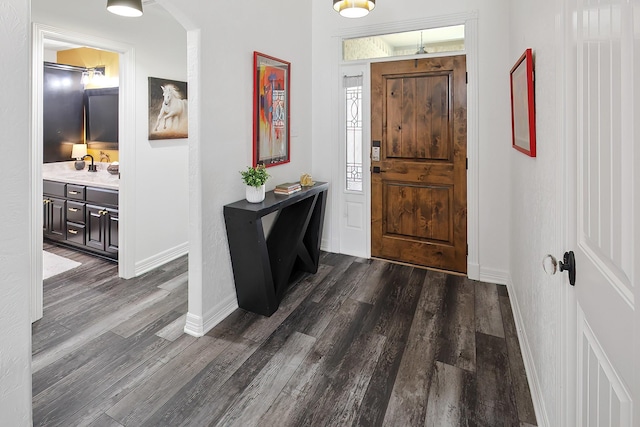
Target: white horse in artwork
[(173, 109)]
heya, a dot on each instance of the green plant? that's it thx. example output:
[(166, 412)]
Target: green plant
[(255, 177)]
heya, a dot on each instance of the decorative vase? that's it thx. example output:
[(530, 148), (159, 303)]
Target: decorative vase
[(254, 194), (114, 168)]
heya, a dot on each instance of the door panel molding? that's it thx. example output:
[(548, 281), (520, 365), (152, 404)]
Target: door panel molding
[(615, 277), (605, 169), (395, 221), (602, 395)]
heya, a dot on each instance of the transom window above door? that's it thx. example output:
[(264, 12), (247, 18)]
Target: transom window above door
[(431, 40)]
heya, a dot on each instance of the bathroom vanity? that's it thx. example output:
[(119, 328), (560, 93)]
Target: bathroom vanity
[(80, 208)]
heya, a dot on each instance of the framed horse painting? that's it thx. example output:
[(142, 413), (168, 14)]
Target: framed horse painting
[(271, 110), (168, 113)]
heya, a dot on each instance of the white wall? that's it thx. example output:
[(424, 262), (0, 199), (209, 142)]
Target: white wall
[(15, 331), (227, 38), (161, 170), (494, 110), (535, 208)]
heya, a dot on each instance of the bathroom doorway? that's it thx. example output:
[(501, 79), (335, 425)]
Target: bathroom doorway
[(46, 41)]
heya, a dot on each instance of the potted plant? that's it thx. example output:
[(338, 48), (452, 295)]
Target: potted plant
[(254, 178)]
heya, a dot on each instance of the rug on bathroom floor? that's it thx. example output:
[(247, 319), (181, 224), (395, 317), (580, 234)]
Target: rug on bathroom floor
[(53, 264)]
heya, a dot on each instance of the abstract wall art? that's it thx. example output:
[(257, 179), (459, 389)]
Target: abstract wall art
[(271, 110)]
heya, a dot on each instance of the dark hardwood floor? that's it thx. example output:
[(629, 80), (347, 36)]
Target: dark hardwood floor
[(362, 342)]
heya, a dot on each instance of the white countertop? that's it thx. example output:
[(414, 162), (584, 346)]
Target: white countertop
[(66, 172)]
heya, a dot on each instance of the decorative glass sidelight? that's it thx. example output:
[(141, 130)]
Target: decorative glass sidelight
[(353, 113)]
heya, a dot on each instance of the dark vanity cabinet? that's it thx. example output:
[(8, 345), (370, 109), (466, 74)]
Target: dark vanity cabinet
[(87, 220), (54, 223), (54, 206), (102, 228)]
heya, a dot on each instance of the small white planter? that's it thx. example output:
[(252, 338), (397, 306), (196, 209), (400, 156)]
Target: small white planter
[(254, 194)]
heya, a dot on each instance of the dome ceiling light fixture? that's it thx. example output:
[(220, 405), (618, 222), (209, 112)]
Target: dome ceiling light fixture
[(128, 8), (354, 8)]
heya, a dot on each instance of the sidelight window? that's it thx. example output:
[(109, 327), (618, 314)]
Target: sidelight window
[(353, 117)]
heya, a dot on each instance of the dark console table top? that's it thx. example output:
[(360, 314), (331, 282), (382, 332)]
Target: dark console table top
[(273, 202)]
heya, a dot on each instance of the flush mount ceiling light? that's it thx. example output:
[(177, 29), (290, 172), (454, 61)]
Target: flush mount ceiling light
[(130, 8), (354, 8)]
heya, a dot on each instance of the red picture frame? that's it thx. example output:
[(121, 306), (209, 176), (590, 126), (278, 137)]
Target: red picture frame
[(271, 110), (523, 112)]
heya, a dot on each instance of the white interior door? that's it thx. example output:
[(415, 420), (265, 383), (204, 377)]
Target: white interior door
[(603, 220)]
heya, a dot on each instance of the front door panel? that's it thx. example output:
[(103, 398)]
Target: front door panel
[(418, 198)]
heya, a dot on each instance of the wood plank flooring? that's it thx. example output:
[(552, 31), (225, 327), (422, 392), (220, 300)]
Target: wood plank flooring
[(361, 342)]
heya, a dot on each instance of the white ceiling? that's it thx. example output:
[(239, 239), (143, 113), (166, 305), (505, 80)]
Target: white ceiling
[(397, 40), (55, 45)]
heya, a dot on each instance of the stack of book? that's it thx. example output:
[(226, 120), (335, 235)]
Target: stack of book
[(287, 188)]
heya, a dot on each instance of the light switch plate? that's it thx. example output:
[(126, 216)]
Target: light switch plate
[(375, 154)]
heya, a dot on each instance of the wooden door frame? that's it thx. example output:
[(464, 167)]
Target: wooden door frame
[(470, 21)]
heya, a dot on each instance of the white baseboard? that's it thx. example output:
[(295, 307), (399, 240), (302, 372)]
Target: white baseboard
[(530, 368), (491, 275), (194, 325), (325, 245), (473, 271), (161, 258), (198, 326)]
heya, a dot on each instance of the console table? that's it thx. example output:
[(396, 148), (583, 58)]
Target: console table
[(263, 267)]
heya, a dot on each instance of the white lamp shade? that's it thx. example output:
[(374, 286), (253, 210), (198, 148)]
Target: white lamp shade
[(129, 8), (78, 151), (353, 8)]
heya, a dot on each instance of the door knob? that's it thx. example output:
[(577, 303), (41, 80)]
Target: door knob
[(568, 263)]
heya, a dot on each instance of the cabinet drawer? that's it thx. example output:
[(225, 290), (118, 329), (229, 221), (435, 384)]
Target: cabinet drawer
[(102, 196), (75, 212), (75, 191), (75, 233), (54, 188)]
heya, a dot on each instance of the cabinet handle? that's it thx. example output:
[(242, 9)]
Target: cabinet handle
[(103, 212), (73, 192), (73, 210), (46, 201), (73, 231)]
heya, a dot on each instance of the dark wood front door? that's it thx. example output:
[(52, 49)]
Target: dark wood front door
[(418, 184)]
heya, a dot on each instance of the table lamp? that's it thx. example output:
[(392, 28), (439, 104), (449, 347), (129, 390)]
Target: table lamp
[(78, 152)]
